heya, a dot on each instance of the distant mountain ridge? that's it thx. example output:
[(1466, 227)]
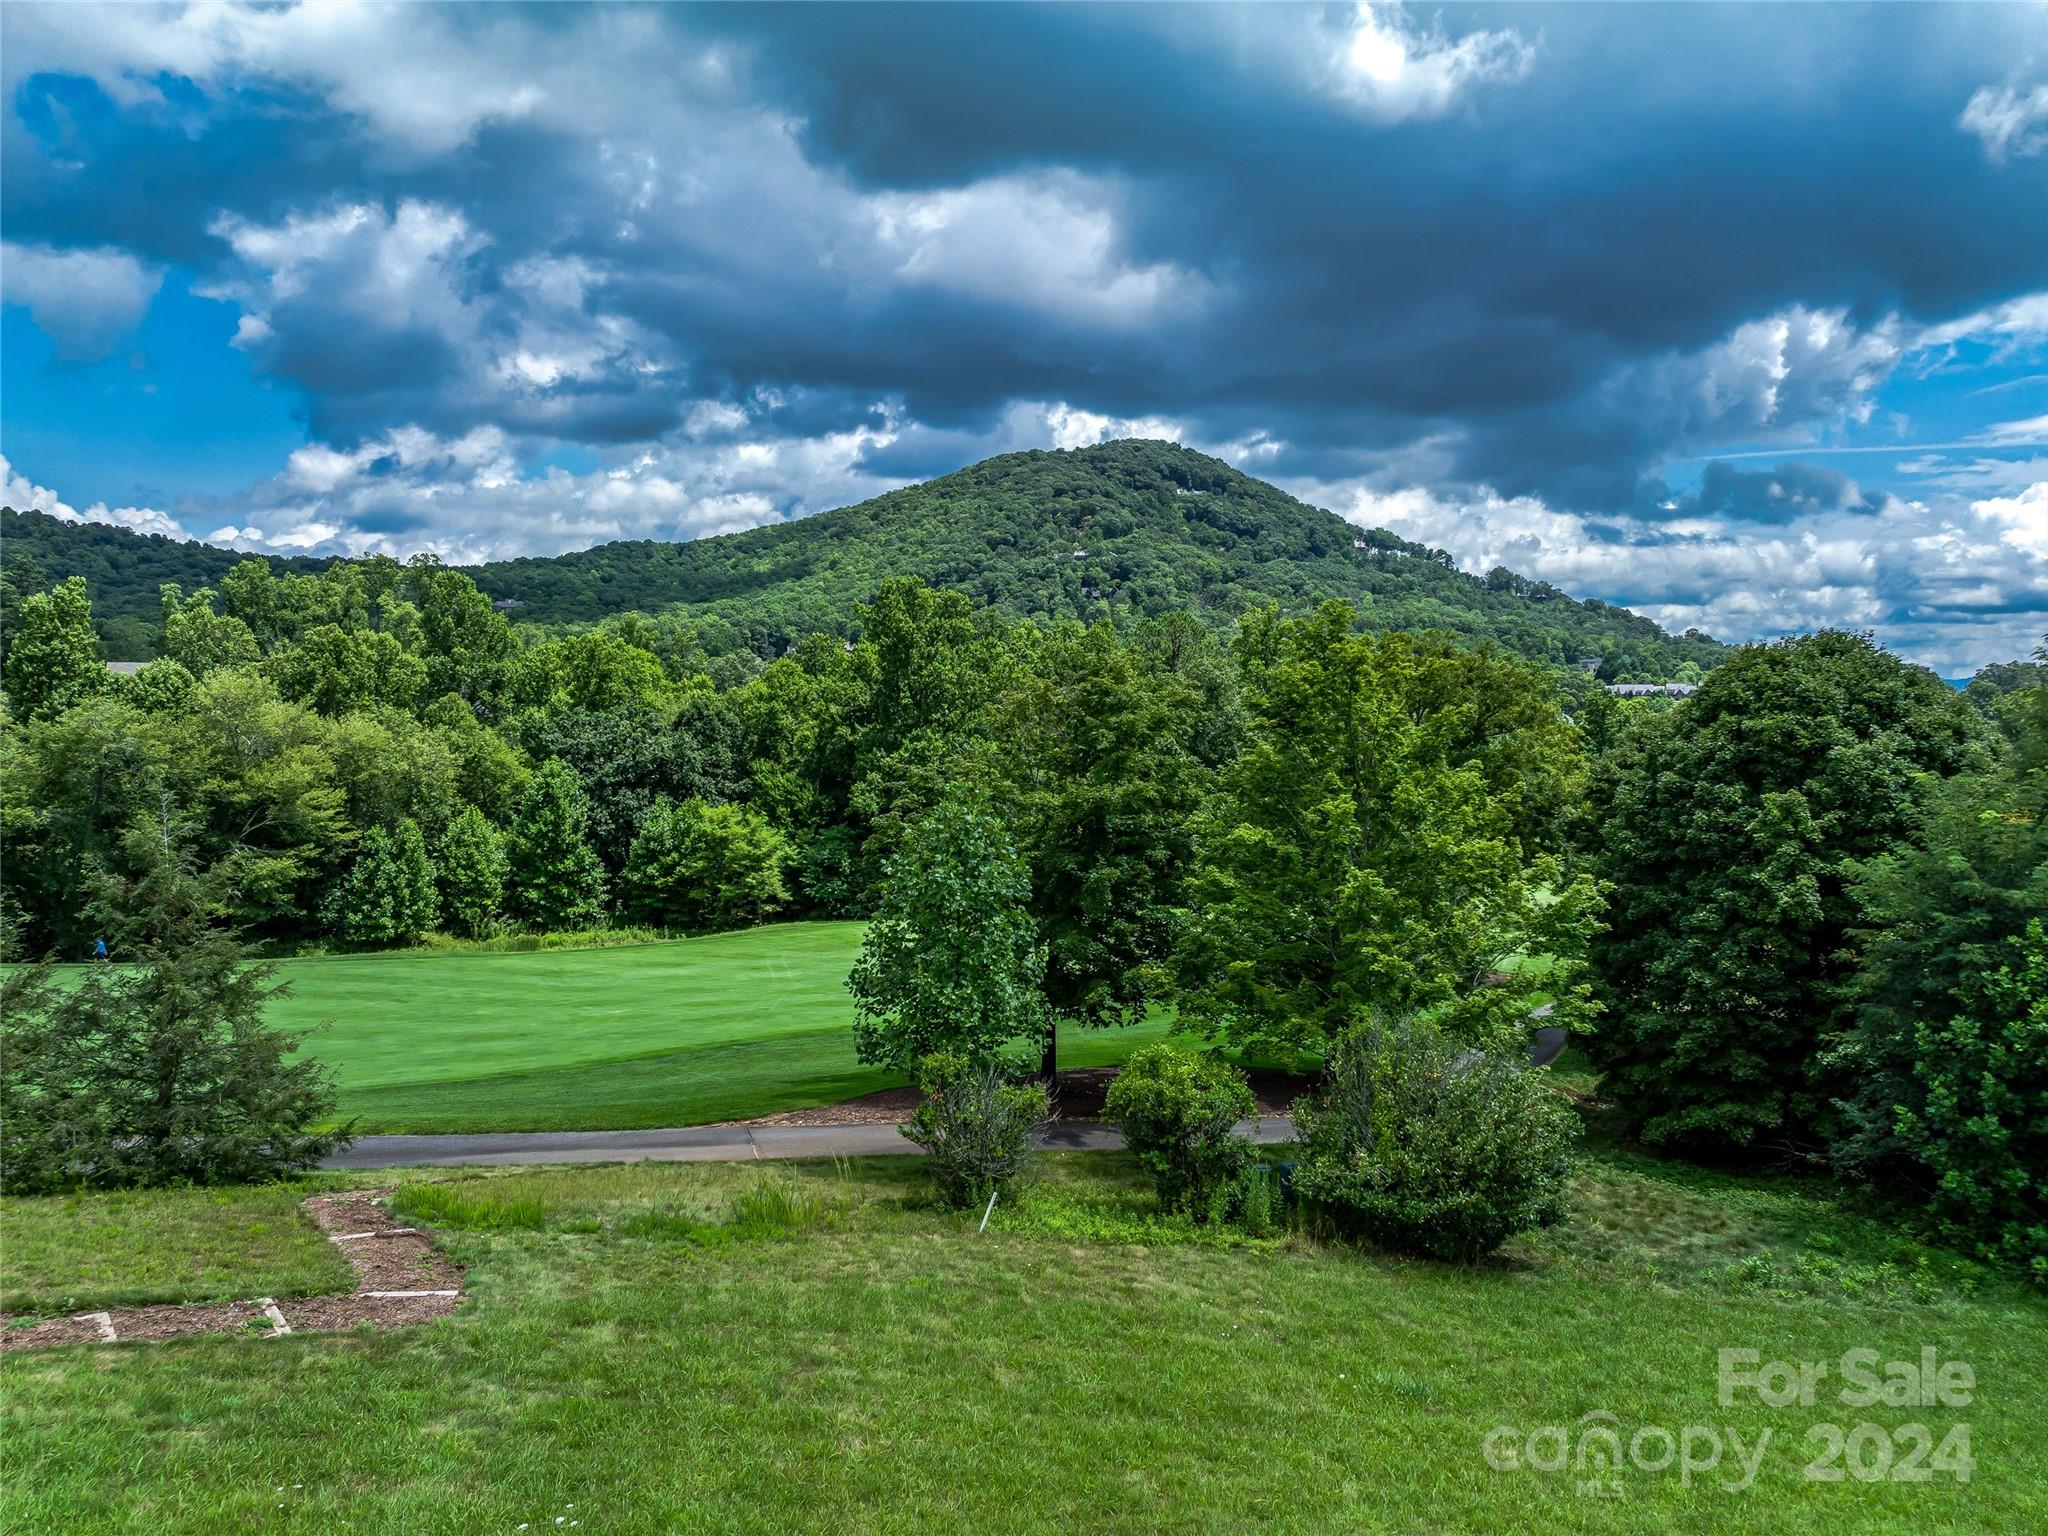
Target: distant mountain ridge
[(1130, 528)]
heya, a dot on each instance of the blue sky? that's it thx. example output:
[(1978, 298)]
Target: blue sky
[(1737, 315)]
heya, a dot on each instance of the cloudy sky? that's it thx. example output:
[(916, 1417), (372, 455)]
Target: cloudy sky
[(1736, 315)]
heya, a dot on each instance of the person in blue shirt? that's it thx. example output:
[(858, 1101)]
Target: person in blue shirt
[(99, 950)]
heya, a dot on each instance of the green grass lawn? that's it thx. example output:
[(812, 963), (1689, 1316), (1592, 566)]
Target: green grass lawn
[(880, 1367), (127, 1248), (721, 1027)]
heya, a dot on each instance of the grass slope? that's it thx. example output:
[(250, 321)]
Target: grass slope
[(887, 1370), (677, 1033)]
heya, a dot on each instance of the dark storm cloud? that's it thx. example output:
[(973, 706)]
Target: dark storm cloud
[(1662, 176), (1493, 272), (1783, 495), (1500, 271)]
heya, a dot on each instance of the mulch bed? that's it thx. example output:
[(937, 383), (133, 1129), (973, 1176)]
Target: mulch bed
[(386, 1257)]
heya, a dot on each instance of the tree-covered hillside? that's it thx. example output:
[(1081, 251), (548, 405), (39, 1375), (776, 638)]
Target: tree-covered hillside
[(1128, 528)]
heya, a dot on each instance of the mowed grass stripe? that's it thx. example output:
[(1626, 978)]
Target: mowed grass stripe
[(730, 1081), (423, 1016), (723, 1027)]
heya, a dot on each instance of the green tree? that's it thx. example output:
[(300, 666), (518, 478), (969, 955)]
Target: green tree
[(363, 906), (557, 882), (465, 641), (388, 895), (201, 639), (1419, 1143), (53, 654), (706, 866), (416, 902), (1976, 1116), (1100, 791), (337, 670), (1358, 859), (69, 788), (472, 868), (161, 1072), (160, 687), (1945, 1066), (951, 962), (1730, 829), (255, 787)]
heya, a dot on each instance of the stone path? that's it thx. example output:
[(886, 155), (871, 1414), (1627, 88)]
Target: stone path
[(401, 1278)]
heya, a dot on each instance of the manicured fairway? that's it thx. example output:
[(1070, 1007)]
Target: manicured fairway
[(678, 1033), (882, 1367)]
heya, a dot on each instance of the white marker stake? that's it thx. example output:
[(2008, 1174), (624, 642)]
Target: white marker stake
[(278, 1326), (987, 1213)]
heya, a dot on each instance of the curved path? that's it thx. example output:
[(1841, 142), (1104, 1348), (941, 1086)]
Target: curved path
[(751, 1143), (706, 1144)]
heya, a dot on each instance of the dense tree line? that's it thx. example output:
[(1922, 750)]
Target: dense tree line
[(1796, 916), (1828, 878), (1129, 530)]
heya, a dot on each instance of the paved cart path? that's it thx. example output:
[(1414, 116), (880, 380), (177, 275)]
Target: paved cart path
[(749, 1143), (705, 1144)]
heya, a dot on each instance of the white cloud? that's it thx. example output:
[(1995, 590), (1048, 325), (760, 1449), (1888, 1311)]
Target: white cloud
[(467, 499), (1775, 377), (2022, 519), (2010, 120), (396, 272), (1948, 583), (420, 77), (2030, 433), (2012, 324), (1068, 426), (1049, 243), (18, 492), (1387, 66), (85, 301)]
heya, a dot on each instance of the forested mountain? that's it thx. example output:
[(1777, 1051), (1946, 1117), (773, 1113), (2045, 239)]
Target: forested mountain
[(1129, 528)]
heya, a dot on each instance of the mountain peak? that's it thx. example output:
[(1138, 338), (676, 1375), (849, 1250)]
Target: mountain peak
[(1123, 530)]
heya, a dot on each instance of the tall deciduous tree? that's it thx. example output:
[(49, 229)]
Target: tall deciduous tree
[(388, 894), (706, 866), (1100, 789), (53, 655), (951, 962), (1359, 859), (201, 639), (418, 902), (472, 869), (1729, 829), (557, 882), (1945, 1067)]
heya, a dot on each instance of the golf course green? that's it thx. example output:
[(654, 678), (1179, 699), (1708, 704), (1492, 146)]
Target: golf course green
[(681, 1032)]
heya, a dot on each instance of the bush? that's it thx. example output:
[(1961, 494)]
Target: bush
[(974, 1124), (1422, 1145), (1178, 1111)]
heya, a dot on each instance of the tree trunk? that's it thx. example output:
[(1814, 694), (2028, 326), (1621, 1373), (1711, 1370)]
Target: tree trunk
[(1049, 1063)]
